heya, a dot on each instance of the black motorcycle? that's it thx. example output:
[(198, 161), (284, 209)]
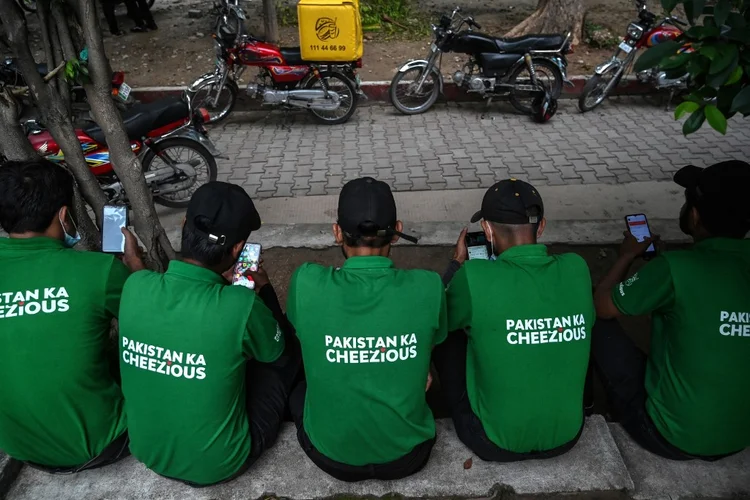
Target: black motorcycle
[(523, 68)]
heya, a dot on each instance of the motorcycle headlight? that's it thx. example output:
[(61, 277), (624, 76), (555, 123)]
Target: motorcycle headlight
[(218, 49), (635, 31)]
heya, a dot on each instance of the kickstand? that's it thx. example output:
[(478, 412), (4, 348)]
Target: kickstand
[(486, 113), (669, 101), (284, 125)]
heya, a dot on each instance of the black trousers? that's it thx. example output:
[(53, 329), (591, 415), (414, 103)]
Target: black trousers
[(621, 366), (409, 464), (114, 452), (138, 11), (450, 361)]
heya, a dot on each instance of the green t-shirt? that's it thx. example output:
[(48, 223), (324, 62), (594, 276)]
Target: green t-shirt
[(184, 341), (367, 331), (528, 316), (59, 403), (698, 372)]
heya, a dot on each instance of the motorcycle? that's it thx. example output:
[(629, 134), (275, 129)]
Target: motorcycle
[(169, 138), (11, 76), (328, 91), (521, 67), (641, 34)]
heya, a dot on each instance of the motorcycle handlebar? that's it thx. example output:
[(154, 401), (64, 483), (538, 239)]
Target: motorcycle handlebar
[(472, 22)]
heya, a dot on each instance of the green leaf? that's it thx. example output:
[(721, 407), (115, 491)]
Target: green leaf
[(721, 78), (676, 61), (685, 108), (710, 51), (721, 12), (702, 32), (736, 21), (693, 9), (716, 119), (741, 103), (694, 122), (735, 76), (727, 55), (653, 56), (741, 35), (669, 5)]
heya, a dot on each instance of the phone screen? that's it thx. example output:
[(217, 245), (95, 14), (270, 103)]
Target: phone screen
[(115, 218), (476, 244), (248, 261), (638, 227)]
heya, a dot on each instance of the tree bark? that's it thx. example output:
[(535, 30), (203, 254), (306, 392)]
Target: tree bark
[(51, 107), (270, 21), (553, 17), (128, 168), (14, 144), (43, 15)]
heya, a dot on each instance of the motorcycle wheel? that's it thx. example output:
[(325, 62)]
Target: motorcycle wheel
[(422, 102), (598, 87), (180, 149), (343, 86), (225, 104), (547, 73), (28, 5)]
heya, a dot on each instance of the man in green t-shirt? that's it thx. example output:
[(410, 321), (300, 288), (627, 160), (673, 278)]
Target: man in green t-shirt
[(61, 407), (514, 365), (690, 398), (367, 331), (198, 410)]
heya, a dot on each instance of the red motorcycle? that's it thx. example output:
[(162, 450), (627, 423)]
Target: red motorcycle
[(284, 79), (641, 34), (169, 138)]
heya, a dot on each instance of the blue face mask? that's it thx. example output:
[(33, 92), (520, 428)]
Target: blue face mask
[(70, 241)]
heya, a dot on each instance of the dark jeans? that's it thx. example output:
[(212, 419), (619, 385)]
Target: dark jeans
[(621, 366), (411, 463), (450, 362), (138, 11), (114, 452)]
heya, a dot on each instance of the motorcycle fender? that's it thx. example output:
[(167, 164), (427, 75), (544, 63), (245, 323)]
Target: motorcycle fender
[(605, 67), (194, 135), (562, 63), (206, 79), (421, 62)]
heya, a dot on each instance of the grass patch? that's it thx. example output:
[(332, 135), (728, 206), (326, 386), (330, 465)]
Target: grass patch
[(599, 37)]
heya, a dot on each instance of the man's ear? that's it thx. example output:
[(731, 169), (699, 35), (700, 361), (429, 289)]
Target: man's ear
[(695, 218), (338, 234), (487, 229), (237, 249), (542, 226), (400, 228)]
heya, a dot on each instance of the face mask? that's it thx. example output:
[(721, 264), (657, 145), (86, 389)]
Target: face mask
[(70, 241)]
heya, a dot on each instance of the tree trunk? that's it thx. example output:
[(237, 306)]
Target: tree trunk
[(270, 21), (14, 144), (128, 168), (43, 14), (553, 17), (51, 107)]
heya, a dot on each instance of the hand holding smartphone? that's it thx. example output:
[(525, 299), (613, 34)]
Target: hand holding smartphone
[(115, 218), (638, 227), (248, 261)]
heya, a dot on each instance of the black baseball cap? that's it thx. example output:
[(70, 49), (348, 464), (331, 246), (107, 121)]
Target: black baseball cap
[(229, 212), (718, 191), (511, 202), (367, 208)]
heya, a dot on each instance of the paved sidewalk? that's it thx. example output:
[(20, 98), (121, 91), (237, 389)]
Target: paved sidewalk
[(455, 147)]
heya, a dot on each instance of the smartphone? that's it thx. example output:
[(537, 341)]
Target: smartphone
[(476, 243), (248, 261), (638, 227), (115, 218)]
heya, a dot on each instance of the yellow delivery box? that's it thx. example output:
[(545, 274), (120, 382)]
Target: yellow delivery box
[(330, 30)]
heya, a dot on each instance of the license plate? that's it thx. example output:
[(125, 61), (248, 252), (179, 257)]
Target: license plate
[(124, 91), (625, 47), (433, 47)]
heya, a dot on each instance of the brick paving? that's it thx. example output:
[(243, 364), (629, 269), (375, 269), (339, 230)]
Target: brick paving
[(455, 147)]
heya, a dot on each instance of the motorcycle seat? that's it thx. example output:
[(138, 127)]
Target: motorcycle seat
[(141, 119), (530, 42), (292, 56)]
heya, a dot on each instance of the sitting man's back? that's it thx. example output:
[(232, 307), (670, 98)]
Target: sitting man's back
[(367, 330), (60, 406), (185, 340), (517, 389)]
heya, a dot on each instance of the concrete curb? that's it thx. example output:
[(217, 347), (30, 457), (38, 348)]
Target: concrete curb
[(377, 91), (9, 469)]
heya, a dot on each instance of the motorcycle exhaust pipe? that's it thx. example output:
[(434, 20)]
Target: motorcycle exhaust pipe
[(302, 98)]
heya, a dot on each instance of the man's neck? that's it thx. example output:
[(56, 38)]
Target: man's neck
[(30, 234), (367, 251), (515, 242), (200, 264)]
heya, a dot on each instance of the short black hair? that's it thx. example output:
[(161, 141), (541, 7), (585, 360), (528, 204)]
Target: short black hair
[(359, 241), (719, 222), (196, 247), (31, 193), (508, 229)]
